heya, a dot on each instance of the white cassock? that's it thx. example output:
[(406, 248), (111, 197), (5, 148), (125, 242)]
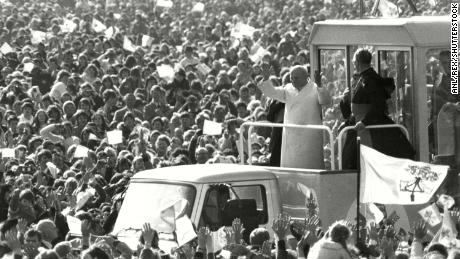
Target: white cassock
[(300, 148)]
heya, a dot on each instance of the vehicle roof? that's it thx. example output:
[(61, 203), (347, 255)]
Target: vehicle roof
[(420, 31), (207, 173)]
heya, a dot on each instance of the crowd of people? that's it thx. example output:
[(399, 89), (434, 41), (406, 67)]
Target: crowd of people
[(71, 71)]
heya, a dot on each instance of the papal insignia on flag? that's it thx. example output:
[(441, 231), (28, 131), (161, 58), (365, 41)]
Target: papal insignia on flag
[(390, 180)]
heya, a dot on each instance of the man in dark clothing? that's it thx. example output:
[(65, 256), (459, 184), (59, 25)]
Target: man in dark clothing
[(442, 94), (275, 115), (369, 107)]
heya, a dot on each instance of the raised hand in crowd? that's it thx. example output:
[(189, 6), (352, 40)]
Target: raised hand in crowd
[(312, 228), (420, 231), (237, 229), (11, 238), (230, 235), (148, 235), (281, 226), (203, 234), (266, 249), (22, 226), (388, 244), (373, 232)]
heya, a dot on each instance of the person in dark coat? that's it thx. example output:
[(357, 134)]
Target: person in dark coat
[(369, 107), (276, 115), (177, 87)]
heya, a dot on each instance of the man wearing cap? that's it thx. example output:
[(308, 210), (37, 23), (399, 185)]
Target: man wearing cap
[(303, 98)]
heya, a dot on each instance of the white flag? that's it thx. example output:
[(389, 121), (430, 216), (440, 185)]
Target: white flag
[(431, 215), (184, 230), (93, 137), (448, 232), (8, 152), (110, 4), (198, 7), (128, 45), (81, 151), (240, 30), (68, 26), (165, 3), (388, 9), (38, 36), (54, 170), (171, 210), (390, 180), (166, 72), (146, 40), (432, 2), (83, 197), (112, 30), (203, 69), (236, 43), (373, 213), (74, 225), (6, 48), (114, 137), (28, 67), (98, 26), (212, 128), (260, 53), (168, 220)]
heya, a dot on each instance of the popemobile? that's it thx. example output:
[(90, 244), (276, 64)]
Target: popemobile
[(405, 49)]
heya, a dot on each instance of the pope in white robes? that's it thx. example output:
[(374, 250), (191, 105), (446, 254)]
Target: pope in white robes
[(300, 148)]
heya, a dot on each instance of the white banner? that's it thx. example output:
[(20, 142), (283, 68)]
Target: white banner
[(114, 137), (146, 40), (198, 7), (165, 3), (390, 180), (241, 30), (98, 26), (128, 45), (212, 128), (431, 215), (68, 26), (38, 37), (166, 72), (388, 9)]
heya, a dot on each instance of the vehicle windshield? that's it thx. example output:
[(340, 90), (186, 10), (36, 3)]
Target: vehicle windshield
[(145, 201)]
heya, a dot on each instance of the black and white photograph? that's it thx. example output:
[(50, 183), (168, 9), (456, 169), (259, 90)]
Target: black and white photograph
[(229, 129)]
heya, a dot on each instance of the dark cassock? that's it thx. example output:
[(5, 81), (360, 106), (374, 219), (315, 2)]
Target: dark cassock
[(368, 105)]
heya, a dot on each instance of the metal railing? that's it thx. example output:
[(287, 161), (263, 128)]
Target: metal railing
[(380, 126), (251, 126)]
